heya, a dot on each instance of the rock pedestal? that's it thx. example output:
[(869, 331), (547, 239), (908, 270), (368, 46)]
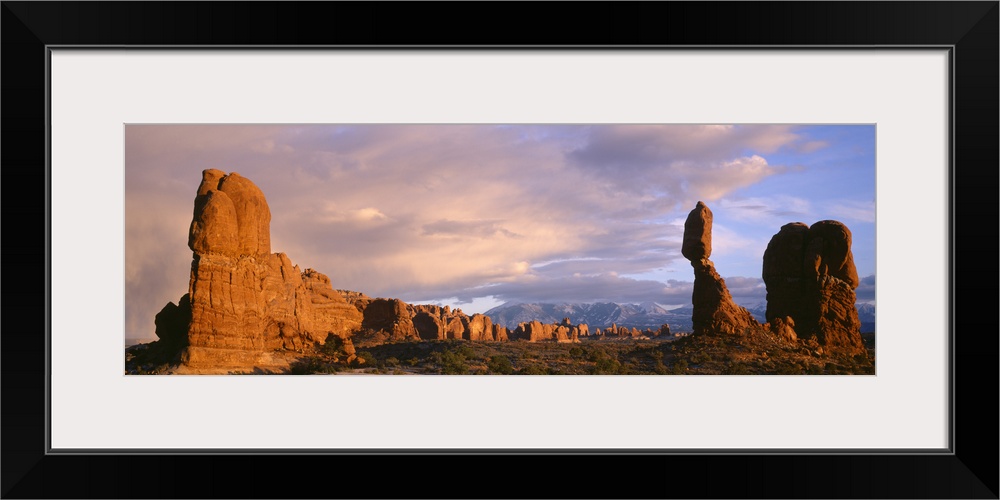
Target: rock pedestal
[(714, 309)]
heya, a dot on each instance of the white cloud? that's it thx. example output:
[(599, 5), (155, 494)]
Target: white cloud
[(852, 210), (431, 211)]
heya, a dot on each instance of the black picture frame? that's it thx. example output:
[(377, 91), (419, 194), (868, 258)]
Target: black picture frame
[(970, 29)]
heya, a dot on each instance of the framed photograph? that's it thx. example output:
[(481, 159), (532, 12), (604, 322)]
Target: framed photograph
[(911, 88)]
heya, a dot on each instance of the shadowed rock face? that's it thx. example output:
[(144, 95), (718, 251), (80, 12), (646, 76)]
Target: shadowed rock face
[(782, 271), (714, 309), (428, 326), (391, 316), (242, 300), (810, 277)]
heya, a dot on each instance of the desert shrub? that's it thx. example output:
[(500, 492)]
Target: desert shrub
[(738, 368), (533, 370), (391, 361), (597, 354), (312, 365), (790, 369), (660, 368), (607, 366), (367, 356), (334, 346), (466, 351), (453, 363), (500, 365), (413, 361), (680, 367), (576, 351), (700, 357)]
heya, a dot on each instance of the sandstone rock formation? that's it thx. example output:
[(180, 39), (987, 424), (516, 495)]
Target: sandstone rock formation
[(244, 301), (536, 331), (441, 323), (428, 325), (810, 277), (357, 299), (391, 316), (454, 328), (478, 327), (714, 309), (500, 333), (664, 331), (172, 324)]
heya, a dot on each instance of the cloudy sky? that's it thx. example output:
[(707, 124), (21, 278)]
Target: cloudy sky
[(477, 215)]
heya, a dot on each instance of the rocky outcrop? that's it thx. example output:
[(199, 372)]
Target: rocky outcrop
[(714, 309), (454, 328), (441, 323), (172, 324), (357, 299), (478, 327), (664, 331), (429, 326), (536, 331), (810, 277), (391, 316), (500, 333), (245, 301)]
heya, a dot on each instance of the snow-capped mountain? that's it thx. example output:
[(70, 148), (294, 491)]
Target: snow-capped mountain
[(596, 315), (641, 316)]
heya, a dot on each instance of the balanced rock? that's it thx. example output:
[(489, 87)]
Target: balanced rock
[(810, 277), (697, 242), (245, 301), (714, 309)]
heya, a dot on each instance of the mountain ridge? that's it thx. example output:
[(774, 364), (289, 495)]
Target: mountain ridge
[(631, 315)]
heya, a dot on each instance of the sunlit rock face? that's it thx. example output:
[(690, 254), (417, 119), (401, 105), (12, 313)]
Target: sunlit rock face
[(391, 316), (244, 301), (811, 281), (714, 309), (440, 323)]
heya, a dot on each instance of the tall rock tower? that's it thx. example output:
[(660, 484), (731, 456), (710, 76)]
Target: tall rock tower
[(243, 301), (811, 280), (714, 309)]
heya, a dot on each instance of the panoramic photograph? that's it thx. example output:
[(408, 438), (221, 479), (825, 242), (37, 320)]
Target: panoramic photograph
[(499, 249)]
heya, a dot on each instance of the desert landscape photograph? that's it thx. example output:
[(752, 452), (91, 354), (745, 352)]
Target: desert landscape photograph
[(499, 249)]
